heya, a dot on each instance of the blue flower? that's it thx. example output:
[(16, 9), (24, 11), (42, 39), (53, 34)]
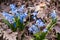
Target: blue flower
[(38, 20), (34, 29), (34, 13), (8, 17), (39, 23), (25, 13), (14, 11), (53, 15), (5, 14), (34, 17), (12, 6), (21, 8), (23, 16), (45, 30)]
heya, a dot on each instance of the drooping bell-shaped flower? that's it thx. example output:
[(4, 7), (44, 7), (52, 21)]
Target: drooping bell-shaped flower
[(21, 8), (12, 5), (25, 13), (17, 13), (34, 15), (45, 30), (23, 16), (13, 8), (11, 19), (14, 11), (8, 17), (53, 14)]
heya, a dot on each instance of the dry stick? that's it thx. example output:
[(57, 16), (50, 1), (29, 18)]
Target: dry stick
[(20, 34)]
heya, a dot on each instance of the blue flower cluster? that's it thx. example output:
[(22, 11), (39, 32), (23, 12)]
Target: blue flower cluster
[(19, 12), (53, 15), (8, 17), (36, 27), (40, 23), (33, 29)]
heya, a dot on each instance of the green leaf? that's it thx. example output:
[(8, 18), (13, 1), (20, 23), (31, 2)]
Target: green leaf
[(6, 22), (19, 25), (9, 25), (58, 36)]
